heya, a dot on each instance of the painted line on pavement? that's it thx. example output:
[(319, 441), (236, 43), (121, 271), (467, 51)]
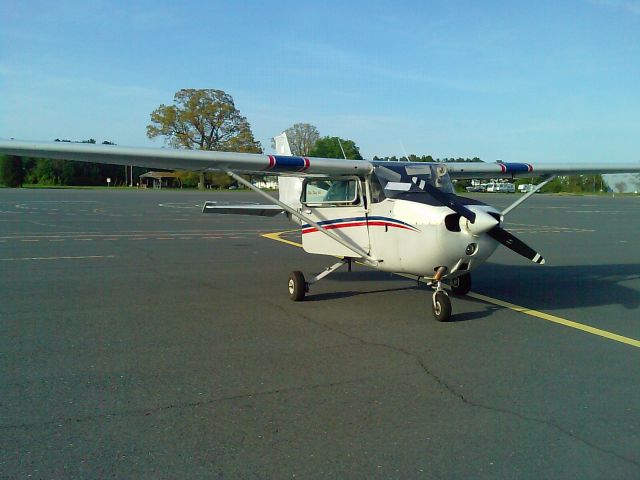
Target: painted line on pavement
[(554, 319), (276, 236), (84, 257)]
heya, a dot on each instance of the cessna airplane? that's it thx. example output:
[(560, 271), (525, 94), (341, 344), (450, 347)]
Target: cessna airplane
[(398, 217)]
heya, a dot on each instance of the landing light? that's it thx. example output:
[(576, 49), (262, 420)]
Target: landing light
[(471, 248)]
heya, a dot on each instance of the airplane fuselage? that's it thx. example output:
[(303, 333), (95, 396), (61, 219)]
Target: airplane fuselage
[(436, 239), (403, 236)]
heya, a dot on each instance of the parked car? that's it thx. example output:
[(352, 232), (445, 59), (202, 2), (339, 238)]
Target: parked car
[(527, 187), (501, 188)]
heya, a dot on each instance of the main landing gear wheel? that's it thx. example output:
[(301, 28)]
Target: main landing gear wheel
[(297, 286), (441, 306), (461, 285)]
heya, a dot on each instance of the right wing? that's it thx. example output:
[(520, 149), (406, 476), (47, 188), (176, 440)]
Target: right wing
[(466, 170)]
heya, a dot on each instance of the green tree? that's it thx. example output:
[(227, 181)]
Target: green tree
[(11, 171), (302, 138), (204, 119), (329, 147), (621, 186)]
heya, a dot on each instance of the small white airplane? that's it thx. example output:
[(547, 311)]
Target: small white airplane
[(398, 217)]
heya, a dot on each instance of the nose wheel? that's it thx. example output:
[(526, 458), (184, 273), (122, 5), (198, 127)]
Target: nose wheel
[(440, 302), (441, 305)]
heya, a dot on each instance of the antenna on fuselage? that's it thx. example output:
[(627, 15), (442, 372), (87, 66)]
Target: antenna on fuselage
[(404, 150), (340, 143)]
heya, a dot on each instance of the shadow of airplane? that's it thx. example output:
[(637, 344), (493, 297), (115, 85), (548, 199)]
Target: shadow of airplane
[(315, 297), (540, 288), (560, 287)]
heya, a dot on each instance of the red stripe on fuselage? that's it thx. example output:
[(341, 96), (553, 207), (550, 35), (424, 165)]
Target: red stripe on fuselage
[(272, 162), (387, 224), (357, 224)]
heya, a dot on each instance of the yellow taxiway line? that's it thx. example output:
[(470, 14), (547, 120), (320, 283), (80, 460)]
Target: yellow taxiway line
[(554, 319), (501, 303), (276, 236)]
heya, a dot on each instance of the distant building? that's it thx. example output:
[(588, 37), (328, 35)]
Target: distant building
[(266, 182), (160, 180)]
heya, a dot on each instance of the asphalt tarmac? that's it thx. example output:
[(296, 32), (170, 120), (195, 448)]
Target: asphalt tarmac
[(148, 341)]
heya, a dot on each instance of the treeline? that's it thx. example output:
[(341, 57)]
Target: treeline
[(48, 172), (569, 184)]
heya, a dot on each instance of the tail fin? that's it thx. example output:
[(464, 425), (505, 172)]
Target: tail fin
[(282, 144), (289, 188)]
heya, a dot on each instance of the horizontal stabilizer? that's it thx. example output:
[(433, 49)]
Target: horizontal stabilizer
[(245, 209)]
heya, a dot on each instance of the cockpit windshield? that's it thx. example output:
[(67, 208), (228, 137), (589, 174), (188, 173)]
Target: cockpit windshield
[(411, 182)]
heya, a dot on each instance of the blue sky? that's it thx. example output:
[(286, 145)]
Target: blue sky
[(517, 81)]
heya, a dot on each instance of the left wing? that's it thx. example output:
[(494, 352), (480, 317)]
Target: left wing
[(194, 160)]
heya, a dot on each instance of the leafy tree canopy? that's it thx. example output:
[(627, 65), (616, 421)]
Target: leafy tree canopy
[(329, 147), (203, 119), (11, 171), (302, 138)]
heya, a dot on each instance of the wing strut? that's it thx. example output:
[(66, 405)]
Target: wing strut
[(365, 256), (526, 195)]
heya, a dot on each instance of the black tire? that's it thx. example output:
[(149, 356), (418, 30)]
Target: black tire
[(461, 285), (441, 307), (297, 286)]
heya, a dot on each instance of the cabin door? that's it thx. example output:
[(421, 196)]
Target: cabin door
[(336, 204)]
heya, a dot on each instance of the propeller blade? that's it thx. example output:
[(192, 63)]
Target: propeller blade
[(446, 199), (512, 243)]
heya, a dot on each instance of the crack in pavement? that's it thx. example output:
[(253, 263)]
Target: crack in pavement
[(452, 391), (211, 401), (415, 356)]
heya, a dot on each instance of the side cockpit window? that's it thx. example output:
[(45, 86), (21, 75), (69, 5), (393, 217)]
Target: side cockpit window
[(331, 192)]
